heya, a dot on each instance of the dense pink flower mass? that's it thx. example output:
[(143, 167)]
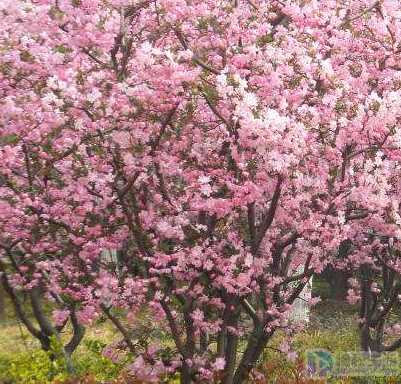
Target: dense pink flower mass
[(225, 149)]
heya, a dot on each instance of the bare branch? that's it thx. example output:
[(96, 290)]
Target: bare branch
[(195, 57), (250, 311), (269, 216), (78, 334), (120, 327)]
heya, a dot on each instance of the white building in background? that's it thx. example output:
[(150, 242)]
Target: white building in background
[(301, 309)]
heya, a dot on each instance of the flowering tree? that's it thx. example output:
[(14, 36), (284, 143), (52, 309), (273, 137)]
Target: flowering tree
[(224, 149), (377, 289), (371, 250)]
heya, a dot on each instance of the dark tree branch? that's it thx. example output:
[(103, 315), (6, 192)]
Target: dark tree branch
[(269, 215), (44, 323), (77, 336), (250, 311), (174, 329), (252, 223), (18, 307), (117, 323), (195, 57)]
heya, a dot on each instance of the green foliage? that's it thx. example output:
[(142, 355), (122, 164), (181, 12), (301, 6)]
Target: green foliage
[(345, 339), (37, 366), (275, 366), (29, 368), (90, 360), (321, 288), (61, 48), (264, 40)]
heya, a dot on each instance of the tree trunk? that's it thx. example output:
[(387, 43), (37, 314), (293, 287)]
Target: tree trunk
[(185, 377), (256, 344), (231, 351), (2, 304)]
